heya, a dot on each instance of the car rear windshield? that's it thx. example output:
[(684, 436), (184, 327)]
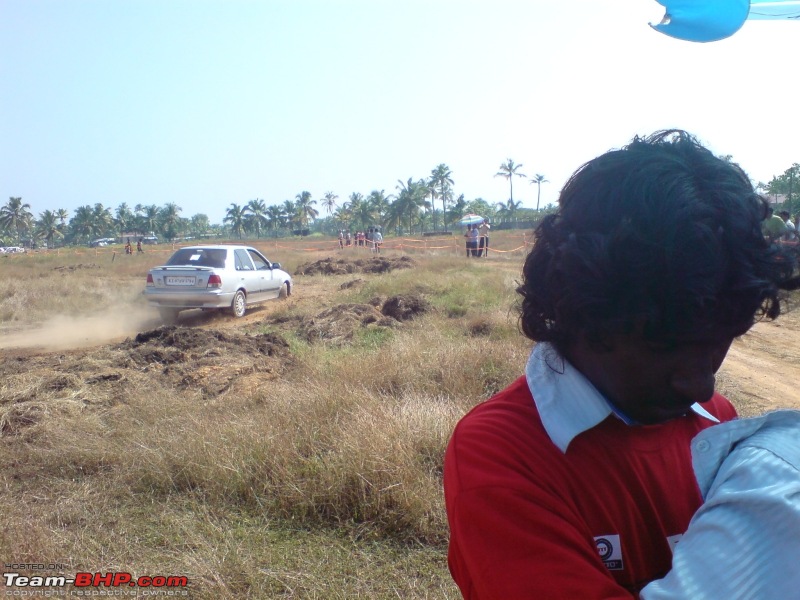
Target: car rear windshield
[(199, 257)]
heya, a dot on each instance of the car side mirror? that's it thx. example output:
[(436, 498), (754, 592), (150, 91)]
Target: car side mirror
[(276, 265)]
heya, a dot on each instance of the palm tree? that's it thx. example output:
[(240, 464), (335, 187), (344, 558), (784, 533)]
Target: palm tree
[(61, 215), (538, 180), (508, 169), (102, 221), (433, 194), (257, 216), (274, 214), (343, 214), (235, 217), (48, 227), (16, 216), (379, 204), (363, 211), (356, 199), (305, 210), (81, 224), (329, 202), (508, 209), (170, 219), (124, 218), (442, 178), (409, 200), (289, 213), (148, 219)]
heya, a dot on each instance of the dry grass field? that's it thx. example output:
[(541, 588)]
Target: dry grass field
[(293, 453)]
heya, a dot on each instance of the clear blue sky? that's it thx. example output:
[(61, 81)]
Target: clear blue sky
[(208, 102)]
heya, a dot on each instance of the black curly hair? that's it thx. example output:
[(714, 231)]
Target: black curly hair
[(660, 238)]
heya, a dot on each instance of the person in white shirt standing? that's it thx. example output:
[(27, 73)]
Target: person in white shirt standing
[(791, 230), (483, 244)]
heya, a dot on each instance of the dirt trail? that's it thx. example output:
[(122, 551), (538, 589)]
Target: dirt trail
[(762, 370)]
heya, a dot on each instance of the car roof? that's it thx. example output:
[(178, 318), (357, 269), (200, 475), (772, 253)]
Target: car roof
[(217, 247)]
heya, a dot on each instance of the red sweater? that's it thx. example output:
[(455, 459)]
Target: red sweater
[(528, 521)]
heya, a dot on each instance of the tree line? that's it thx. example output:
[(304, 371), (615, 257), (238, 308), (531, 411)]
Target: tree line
[(416, 205)]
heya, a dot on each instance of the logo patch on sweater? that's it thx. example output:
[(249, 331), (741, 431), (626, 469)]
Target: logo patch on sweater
[(610, 551)]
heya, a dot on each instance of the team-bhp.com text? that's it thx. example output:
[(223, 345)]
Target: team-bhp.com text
[(95, 580)]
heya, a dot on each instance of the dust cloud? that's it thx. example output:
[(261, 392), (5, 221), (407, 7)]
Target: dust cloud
[(63, 332)]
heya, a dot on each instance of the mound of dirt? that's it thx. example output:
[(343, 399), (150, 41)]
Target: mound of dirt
[(338, 266), (76, 267), (405, 306), (208, 359), (205, 341), (337, 325), (352, 283)]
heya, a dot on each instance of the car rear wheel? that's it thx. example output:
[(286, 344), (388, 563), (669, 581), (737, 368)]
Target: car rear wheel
[(239, 304), (169, 315), (284, 291)]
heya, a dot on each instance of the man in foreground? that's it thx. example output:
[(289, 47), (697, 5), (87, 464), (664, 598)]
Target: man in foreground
[(576, 481)]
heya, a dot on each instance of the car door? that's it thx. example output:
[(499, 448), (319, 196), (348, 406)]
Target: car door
[(249, 278), (271, 285)]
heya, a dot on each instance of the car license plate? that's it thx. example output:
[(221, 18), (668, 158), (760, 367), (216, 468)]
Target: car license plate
[(180, 280)]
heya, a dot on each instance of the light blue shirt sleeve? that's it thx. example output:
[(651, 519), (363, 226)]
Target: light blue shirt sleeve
[(744, 542)]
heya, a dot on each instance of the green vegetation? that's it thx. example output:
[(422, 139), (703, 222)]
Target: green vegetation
[(411, 209)]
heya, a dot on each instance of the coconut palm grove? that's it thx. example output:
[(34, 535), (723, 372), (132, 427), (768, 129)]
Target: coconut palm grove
[(417, 206)]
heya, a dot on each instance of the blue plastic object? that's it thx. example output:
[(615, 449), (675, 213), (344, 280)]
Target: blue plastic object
[(702, 20)]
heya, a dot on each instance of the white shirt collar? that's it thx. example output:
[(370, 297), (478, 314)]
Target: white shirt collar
[(567, 402)]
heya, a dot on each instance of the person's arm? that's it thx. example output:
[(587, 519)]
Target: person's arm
[(744, 542)]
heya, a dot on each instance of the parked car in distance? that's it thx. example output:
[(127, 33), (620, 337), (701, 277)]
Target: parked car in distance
[(149, 239), (228, 277)]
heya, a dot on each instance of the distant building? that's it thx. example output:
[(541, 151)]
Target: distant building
[(775, 199)]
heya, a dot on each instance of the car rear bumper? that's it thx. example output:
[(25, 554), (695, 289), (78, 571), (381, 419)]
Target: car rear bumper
[(188, 298)]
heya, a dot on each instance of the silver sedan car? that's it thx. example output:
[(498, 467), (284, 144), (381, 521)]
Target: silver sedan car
[(215, 277)]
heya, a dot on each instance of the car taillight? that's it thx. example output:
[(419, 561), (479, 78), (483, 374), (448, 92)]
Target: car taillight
[(150, 280), (214, 281)]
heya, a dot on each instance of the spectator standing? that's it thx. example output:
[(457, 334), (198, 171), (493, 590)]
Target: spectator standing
[(483, 248), (377, 240), (472, 240), (773, 226), (791, 230)]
